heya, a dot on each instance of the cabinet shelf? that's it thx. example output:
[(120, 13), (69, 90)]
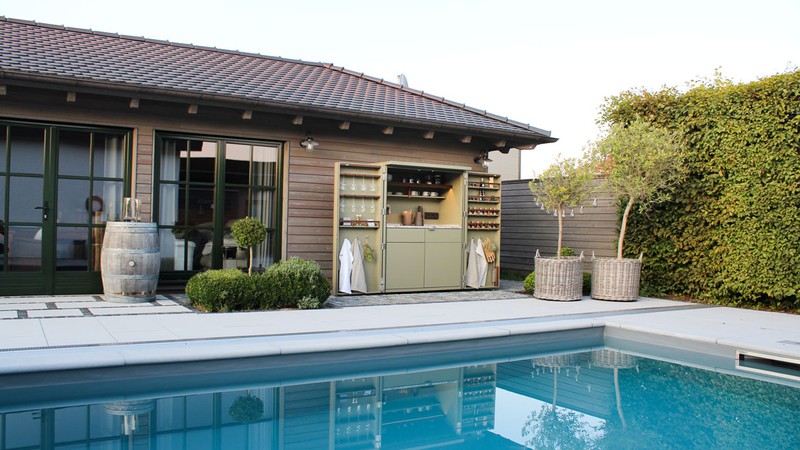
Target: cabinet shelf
[(369, 196), (420, 185), (418, 197), (360, 175), (474, 199), (362, 224), (491, 186)]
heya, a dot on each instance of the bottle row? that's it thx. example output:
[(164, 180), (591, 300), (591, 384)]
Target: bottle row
[(474, 211)]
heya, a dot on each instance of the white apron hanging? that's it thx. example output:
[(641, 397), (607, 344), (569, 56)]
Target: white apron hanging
[(345, 266), (472, 267), (358, 280)]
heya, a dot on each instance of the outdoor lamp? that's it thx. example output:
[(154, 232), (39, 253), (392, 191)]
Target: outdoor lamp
[(483, 159), (309, 143)]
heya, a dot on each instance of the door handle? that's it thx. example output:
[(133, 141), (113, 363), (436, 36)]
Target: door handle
[(45, 210)]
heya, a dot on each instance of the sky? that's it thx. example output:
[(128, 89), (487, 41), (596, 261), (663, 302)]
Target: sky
[(548, 63)]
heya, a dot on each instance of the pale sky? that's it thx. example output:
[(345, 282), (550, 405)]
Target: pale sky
[(547, 63)]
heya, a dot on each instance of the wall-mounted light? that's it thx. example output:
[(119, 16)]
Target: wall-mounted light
[(483, 159), (309, 143)]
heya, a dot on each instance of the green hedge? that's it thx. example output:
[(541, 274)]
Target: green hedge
[(285, 283), (222, 290), (295, 283), (730, 234)]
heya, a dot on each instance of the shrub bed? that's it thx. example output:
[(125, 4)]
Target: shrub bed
[(295, 283)]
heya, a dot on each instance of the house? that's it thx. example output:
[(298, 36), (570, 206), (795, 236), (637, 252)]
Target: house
[(201, 137)]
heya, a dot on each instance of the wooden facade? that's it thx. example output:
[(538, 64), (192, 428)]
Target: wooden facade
[(526, 228), (173, 104), (308, 176)]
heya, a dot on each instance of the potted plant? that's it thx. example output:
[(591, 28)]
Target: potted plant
[(640, 163), (248, 233), (566, 184)]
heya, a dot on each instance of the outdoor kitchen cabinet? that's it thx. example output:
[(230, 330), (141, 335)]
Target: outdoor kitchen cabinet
[(423, 258), (369, 202)]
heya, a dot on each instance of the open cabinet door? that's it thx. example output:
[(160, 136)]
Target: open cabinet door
[(483, 223), (359, 193)]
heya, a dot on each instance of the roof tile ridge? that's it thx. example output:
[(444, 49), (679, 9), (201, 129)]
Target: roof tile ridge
[(157, 41), (462, 106)]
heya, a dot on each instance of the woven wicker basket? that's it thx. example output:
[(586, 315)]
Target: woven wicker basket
[(611, 359), (559, 278), (616, 279)]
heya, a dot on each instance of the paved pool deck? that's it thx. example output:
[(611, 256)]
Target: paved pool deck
[(88, 332)]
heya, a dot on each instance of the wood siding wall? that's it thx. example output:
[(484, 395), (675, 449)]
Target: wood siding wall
[(526, 228), (308, 177)]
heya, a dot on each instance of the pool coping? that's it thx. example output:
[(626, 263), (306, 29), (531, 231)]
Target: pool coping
[(714, 331)]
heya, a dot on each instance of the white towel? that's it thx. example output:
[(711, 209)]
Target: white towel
[(472, 267), (345, 266), (482, 265), (357, 279)]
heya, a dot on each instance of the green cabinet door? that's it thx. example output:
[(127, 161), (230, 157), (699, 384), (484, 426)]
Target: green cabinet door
[(443, 265), (405, 265)]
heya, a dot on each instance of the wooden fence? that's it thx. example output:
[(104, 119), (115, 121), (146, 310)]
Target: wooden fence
[(526, 228)]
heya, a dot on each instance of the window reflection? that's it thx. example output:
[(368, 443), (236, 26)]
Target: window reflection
[(188, 197), (27, 150), (73, 152)]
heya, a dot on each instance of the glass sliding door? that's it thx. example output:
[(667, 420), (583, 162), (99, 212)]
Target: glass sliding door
[(203, 186), (58, 187)]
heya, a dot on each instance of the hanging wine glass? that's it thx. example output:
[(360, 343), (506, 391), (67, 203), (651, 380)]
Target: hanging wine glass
[(344, 205), (363, 184), (372, 187), (344, 185), (372, 207), (363, 206), (353, 184)]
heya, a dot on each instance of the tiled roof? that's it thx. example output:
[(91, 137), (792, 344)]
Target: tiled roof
[(67, 54)]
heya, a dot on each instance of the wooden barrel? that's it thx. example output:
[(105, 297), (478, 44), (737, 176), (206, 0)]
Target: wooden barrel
[(130, 261)]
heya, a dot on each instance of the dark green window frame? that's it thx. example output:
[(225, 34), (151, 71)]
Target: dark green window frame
[(183, 228)]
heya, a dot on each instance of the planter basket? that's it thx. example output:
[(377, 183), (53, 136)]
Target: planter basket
[(559, 278), (616, 279)]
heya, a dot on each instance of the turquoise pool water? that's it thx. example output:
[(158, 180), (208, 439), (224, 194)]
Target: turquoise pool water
[(591, 399)]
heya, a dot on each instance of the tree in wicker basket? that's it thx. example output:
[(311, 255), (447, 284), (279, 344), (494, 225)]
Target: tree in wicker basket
[(566, 184), (640, 163)]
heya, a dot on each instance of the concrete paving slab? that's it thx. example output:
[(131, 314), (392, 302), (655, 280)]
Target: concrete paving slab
[(75, 331), (22, 306), (8, 314), (34, 314), (22, 334), (108, 311), (98, 304)]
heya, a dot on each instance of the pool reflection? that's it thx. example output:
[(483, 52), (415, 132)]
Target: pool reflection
[(598, 399)]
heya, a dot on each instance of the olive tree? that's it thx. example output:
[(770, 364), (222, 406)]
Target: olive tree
[(639, 162), (566, 184)]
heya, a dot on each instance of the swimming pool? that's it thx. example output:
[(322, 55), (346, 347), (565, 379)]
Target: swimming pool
[(490, 394)]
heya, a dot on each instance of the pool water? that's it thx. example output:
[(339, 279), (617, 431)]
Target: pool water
[(601, 399)]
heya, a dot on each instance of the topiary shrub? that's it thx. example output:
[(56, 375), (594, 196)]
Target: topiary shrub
[(222, 290), (248, 233), (530, 283), (285, 283)]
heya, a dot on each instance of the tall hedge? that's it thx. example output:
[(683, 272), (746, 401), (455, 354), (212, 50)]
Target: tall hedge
[(731, 233)]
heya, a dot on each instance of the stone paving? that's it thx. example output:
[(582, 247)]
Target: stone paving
[(40, 307), (508, 290)]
